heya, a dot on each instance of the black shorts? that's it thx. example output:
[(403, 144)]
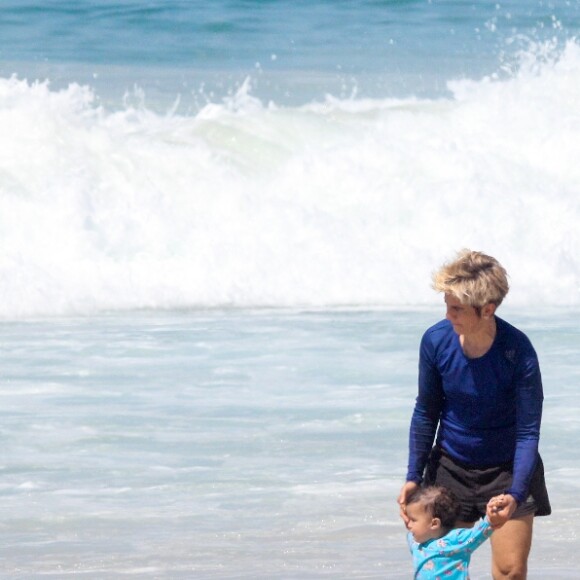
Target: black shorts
[(474, 486)]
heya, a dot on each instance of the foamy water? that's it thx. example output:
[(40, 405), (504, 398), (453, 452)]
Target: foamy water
[(248, 203)]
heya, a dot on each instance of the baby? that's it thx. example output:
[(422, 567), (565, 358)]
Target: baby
[(438, 550)]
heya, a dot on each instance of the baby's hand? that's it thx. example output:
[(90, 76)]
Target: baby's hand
[(496, 503), (494, 506)]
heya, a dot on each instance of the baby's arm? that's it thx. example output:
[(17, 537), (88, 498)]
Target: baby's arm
[(471, 538)]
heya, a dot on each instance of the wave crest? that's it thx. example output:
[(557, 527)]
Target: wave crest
[(341, 202)]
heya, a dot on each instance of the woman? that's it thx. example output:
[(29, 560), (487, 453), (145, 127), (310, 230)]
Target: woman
[(480, 394)]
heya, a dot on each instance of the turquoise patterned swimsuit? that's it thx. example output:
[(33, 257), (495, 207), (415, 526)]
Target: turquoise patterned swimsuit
[(447, 558)]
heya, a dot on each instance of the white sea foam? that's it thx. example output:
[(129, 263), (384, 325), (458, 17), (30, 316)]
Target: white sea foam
[(253, 204)]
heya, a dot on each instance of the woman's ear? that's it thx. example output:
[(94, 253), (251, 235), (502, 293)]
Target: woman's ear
[(488, 310)]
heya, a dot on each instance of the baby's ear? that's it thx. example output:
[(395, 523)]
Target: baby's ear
[(435, 523)]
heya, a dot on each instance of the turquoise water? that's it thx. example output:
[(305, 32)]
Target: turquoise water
[(295, 51), (248, 444)]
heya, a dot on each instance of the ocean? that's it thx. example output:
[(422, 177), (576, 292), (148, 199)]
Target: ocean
[(218, 223)]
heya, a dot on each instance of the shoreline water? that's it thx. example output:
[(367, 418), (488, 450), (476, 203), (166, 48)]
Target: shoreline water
[(238, 444)]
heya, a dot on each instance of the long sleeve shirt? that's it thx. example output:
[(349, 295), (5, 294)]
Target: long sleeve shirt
[(485, 411)]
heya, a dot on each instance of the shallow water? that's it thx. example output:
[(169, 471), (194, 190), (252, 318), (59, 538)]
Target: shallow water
[(238, 444)]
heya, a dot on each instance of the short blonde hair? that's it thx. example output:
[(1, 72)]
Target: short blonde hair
[(474, 278)]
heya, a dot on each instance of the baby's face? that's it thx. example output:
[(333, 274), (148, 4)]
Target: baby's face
[(421, 523)]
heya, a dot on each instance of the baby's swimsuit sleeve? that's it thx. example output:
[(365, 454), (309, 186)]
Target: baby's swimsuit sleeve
[(469, 539)]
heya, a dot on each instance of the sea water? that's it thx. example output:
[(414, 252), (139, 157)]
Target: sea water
[(239, 444), (217, 227)]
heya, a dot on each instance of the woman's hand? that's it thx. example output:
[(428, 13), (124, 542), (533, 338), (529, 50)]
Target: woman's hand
[(406, 491), (500, 509)]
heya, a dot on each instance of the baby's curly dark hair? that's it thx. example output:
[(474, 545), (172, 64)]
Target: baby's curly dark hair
[(439, 502)]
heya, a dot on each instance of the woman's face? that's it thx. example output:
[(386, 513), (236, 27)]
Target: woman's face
[(464, 318)]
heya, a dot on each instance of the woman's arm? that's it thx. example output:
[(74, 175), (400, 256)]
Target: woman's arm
[(529, 401), (427, 411)]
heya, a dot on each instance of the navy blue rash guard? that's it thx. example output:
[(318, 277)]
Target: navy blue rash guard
[(485, 411)]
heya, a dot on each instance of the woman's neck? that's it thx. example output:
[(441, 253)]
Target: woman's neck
[(477, 344)]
